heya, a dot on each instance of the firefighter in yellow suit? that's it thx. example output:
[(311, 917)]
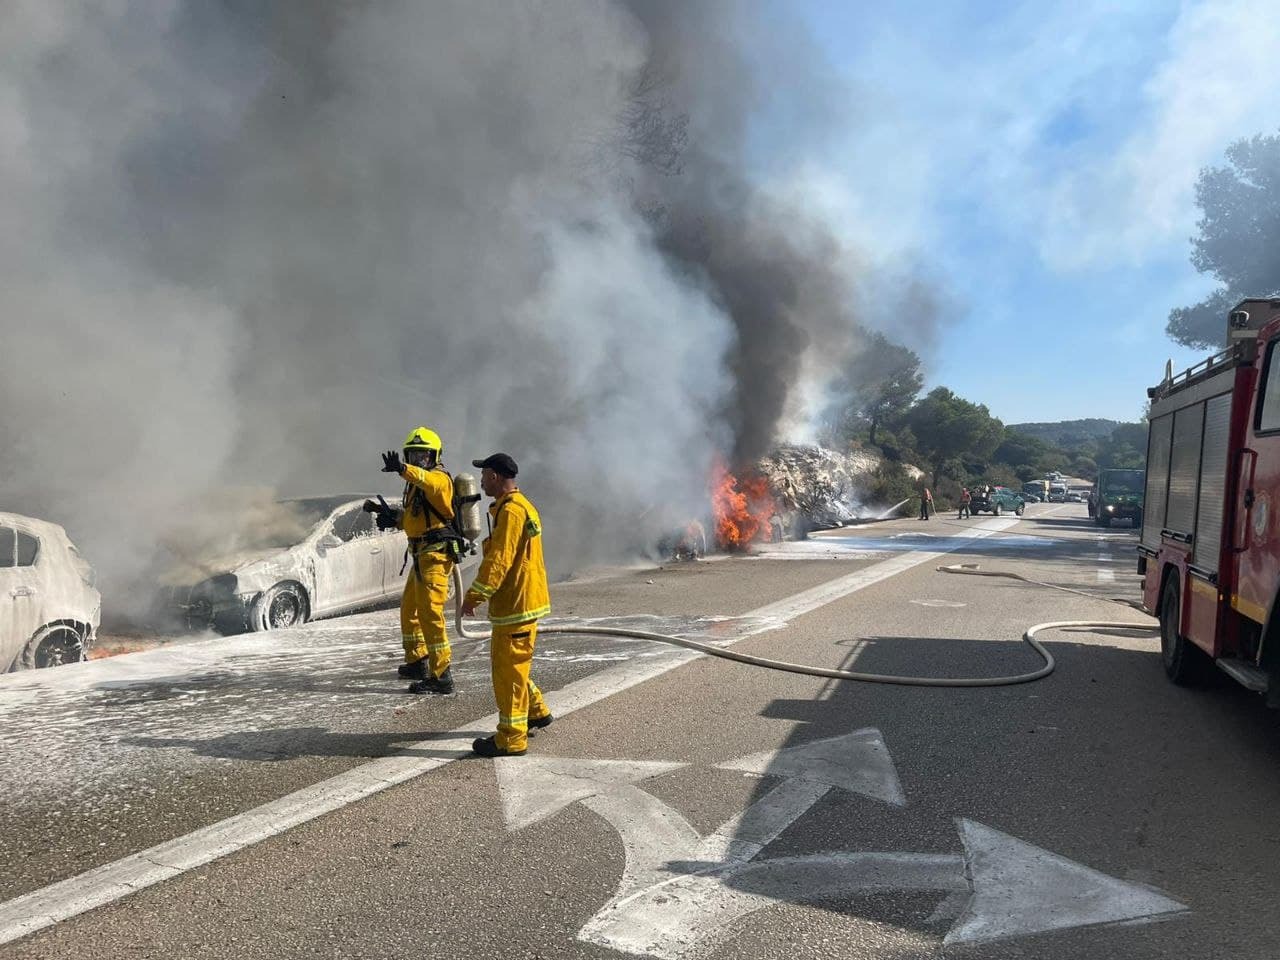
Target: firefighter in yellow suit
[(513, 580), (424, 515)]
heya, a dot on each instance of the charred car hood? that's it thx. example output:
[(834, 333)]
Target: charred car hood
[(188, 574)]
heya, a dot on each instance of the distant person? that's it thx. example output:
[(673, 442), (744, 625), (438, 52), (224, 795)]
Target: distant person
[(512, 579), (965, 499), (926, 504)]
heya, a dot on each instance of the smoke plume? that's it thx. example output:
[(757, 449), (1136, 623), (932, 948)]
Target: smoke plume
[(255, 244)]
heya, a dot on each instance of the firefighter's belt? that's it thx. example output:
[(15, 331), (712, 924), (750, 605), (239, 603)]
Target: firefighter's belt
[(441, 537)]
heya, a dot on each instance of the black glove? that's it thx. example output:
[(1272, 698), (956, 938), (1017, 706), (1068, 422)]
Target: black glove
[(391, 462), (370, 507), (386, 521)]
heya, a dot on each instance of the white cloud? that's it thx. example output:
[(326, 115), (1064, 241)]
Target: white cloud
[(1078, 131), (1213, 85)]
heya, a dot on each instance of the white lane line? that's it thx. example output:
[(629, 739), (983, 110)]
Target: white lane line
[(113, 881)]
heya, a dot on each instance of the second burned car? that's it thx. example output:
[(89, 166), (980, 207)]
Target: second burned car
[(317, 557)]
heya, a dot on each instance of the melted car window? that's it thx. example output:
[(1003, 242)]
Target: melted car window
[(28, 549), (364, 525), (353, 523), (7, 546)]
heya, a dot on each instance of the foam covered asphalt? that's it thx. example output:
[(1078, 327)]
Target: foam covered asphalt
[(1104, 764)]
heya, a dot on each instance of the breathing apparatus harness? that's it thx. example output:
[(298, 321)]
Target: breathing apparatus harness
[(449, 533)]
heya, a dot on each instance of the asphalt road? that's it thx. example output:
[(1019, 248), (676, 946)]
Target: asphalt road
[(280, 796)]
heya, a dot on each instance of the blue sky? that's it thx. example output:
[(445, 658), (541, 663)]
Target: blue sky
[(1037, 163)]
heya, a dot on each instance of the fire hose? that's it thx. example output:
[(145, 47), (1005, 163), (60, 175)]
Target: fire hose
[(1028, 637)]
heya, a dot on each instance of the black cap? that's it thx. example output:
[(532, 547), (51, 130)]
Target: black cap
[(499, 463)]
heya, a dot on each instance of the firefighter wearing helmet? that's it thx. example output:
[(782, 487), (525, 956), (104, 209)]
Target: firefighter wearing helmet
[(424, 515)]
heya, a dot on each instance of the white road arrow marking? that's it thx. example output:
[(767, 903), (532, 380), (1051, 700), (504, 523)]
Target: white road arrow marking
[(690, 915), (1012, 889), (1019, 889), (680, 894), (858, 762), (535, 788)]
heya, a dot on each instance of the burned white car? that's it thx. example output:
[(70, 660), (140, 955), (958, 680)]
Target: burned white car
[(299, 560), (49, 607)]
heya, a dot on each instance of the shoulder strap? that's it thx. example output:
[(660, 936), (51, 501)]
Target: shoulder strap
[(432, 510)]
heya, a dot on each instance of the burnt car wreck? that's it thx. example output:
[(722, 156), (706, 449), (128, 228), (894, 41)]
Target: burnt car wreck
[(316, 557)]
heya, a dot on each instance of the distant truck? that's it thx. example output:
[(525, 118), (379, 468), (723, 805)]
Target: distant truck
[(1057, 492), (1117, 495)]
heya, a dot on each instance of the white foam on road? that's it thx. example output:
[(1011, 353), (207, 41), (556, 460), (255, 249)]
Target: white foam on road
[(60, 901)]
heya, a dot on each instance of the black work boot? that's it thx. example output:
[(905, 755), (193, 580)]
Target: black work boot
[(488, 747), (537, 723), (417, 670), (442, 684)]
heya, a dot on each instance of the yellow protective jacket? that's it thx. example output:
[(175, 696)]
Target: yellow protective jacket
[(512, 575), (421, 487)]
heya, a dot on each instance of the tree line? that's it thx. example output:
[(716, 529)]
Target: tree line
[(956, 442)]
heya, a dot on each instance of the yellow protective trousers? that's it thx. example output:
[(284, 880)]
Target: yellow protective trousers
[(422, 612), (510, 653)]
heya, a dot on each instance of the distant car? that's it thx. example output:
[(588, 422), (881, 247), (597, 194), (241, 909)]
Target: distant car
[(324, 557), (49, 606), (999, 500), (1074, 497), (1029, 497)]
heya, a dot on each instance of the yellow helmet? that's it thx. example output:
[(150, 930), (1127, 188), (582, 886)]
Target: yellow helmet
[(421, 438)]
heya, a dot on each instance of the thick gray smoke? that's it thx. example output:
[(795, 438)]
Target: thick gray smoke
[(760, 96), (255, 244)]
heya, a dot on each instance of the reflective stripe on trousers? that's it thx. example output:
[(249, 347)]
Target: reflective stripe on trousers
[(422, 619), (518, 697)]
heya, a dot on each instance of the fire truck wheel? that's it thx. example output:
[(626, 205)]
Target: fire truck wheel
[(1020, 510), (1184, 662)]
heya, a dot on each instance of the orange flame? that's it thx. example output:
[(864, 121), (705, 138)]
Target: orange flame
[(741, 505)]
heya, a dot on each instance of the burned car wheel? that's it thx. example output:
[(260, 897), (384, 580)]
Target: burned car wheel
[(281, 607), (53, 646)]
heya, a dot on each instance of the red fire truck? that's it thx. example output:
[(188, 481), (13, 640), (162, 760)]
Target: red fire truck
[(1210, 543)]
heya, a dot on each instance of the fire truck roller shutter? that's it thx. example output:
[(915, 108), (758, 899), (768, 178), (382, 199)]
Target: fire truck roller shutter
[(1184, 469), (1157, 496), (1213, 484)]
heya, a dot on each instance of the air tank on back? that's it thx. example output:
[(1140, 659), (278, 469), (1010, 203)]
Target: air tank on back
[(467, 492)]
